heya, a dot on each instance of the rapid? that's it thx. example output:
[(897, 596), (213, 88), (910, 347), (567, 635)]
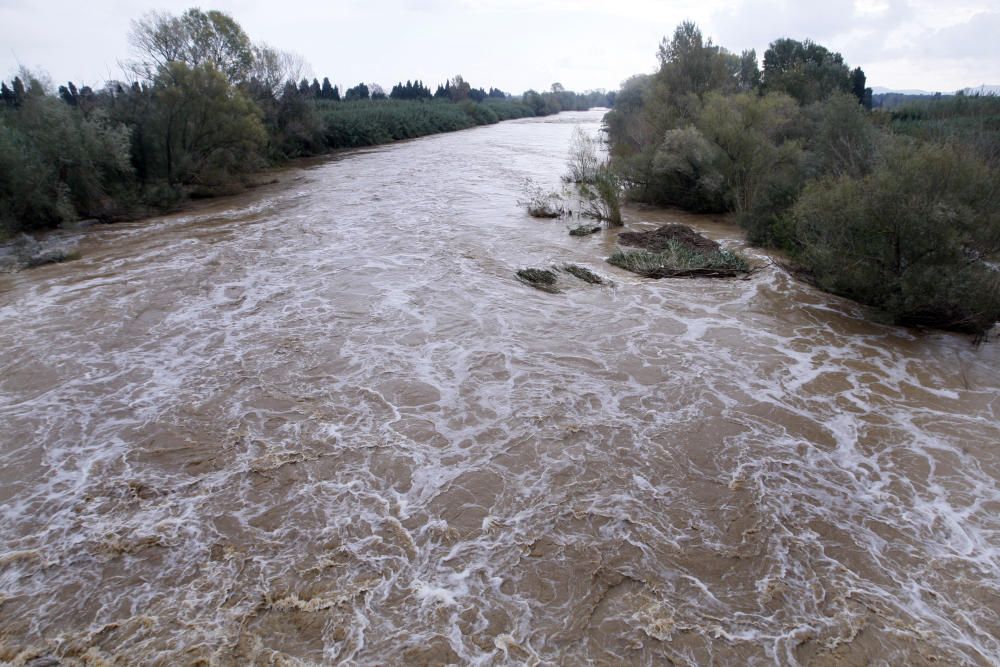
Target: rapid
[(323, 423)]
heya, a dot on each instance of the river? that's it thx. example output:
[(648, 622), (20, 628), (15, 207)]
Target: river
[(323, 423)]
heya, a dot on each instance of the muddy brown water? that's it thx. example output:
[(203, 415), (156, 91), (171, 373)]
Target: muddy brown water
[(324, 423)]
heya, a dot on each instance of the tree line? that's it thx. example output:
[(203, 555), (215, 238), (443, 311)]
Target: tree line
[(896, 210), (199, 109)]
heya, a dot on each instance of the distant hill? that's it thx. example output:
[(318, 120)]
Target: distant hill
[(881, 90), (888, 98), (982, 90)]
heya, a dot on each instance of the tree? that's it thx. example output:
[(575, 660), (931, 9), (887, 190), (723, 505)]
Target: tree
[(377, 92), (358, 92), (753, 134), (6, 95), (194, 38), (19, 91), (314, 89), (459, 89), (69, 94), (805, 70), (749, 76), (858, 89), (209, 131), (690, 64), (326, 91), (272, 68)]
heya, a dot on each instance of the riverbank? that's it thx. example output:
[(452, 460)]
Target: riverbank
[(351, 125)]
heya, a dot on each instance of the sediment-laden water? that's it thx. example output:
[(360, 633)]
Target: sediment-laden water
[(324, 423)]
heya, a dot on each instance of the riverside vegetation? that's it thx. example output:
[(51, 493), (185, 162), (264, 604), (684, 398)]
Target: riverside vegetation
[(200, 109), (897, 210)]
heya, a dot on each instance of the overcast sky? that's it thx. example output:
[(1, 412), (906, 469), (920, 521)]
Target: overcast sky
[(520, 44)]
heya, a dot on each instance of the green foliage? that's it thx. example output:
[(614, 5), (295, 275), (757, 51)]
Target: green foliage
[(692, 65), (583, 273), (57, 164), (806, 71), (542, 279), (209, 130), (972, 121), (916, 237), (358, 92), (909, 227), (687, 172), (195, 38), (601, 198), (353, 124), (679, 259)]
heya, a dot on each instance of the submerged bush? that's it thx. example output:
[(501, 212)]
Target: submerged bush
[(919, 237), (583, 273), (542, 279), (601, 198), (680, 260), (541, 203), (584, 230)]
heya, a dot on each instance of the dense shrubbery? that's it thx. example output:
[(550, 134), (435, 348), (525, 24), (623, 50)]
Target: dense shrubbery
[(908, 226), (57, 163), (205, 109), (911, 237)]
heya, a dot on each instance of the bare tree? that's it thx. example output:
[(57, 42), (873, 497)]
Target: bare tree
[(194, 38)]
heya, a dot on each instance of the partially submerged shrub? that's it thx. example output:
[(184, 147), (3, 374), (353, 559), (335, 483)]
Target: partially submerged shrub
[(540, 203), (601, 199), (584, 274), (584, 230), (542, 279), (584, 162), (678, 260)]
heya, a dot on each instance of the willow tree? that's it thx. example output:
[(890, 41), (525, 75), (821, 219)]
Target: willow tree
[(209, 130)]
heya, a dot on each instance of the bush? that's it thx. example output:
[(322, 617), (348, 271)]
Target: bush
[(915, 238), (680, 260), (57, 164)]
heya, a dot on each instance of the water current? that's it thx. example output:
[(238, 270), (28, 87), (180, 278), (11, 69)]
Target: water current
[(323, 423)]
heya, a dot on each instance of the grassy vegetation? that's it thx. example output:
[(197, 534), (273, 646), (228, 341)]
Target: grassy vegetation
[(584, 230), (583, 273), (969, 121), (368, 123), (678, 260), (542, 279)]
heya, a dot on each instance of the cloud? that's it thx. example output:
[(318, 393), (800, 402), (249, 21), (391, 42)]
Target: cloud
[(519, 44), (977, 38)]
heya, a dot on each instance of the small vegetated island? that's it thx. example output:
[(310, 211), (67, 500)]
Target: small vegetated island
[(895, 209), (200, 109)]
